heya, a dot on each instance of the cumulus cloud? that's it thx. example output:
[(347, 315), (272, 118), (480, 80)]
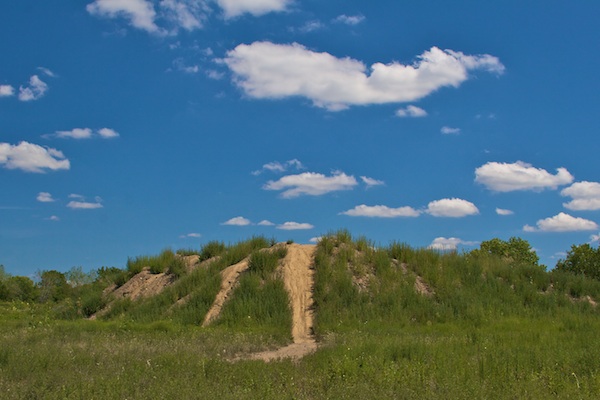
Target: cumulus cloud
[(595, 238), (140, 13), (311, 183), (445, 244), (108, 133), (349, 19), (585, 195), (265, 222), (276, 166), (235, 8), (311, 26), (453, 208), (562, 223), (411, 111), (381, 212), (446, 130), (237, 221), (502, 211), (44, 197), (266, 70), (370, 182), (294, 226), (315, 239), (36, 89), (53, 218), (505, 177), (6, 90), (31, 157)]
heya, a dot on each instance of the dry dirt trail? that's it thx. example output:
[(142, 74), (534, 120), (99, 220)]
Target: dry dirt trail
[(298, 277), (229, 277)]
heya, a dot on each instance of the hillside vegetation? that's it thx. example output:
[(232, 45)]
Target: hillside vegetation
[(390, 322)]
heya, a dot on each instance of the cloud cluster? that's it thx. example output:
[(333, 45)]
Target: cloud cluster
[(286, 226), (45, 197), (36, 89), (447, 130), (266, 70), (585, 195), (349, 19), (142, 14), (31, 157), (6, 90), (311, 183), (84, 133), (504, 212), (505, 177), (450, 208), (562, 223)]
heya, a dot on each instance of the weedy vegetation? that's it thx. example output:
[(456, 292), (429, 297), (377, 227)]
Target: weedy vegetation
[(391, 321)]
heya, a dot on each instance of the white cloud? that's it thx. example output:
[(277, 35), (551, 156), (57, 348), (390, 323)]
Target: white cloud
[(82, 204), (84, 133), (108, 133), (444, 244), (502, 211), (265, 222), (30, 157), (191, 235), (266, 70), (180, 65), (187, 14), (411, 112), (381, 212), (237, 221), (315, 239), (276, 166), (311, 26), (36, 89), (140, 13), (349, 19), (53, 218), (585, 195), (446, 130), (311, 183), (504, 177), (6, 90), (294, 226), (562, 223), (235, 8), (44, 197), (594, 238), (47, 72), (370, 182), (454, 208), (76, 133)]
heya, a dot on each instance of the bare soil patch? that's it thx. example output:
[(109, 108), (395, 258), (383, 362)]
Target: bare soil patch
[(229, 277)]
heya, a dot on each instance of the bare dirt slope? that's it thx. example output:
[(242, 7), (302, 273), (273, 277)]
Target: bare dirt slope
[(229, 277), (298, 280)]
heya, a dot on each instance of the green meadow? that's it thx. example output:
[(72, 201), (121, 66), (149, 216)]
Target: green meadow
[(391, 322)]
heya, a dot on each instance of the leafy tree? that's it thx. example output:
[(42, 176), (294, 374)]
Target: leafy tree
[(76, 277), (53, 286), (21, 288), (516, 251), (582, 259)]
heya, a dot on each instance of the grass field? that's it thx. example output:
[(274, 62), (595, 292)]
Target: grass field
[(483, 330)]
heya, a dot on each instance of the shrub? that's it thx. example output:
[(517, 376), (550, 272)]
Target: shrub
[(212, 249), (582, 259)]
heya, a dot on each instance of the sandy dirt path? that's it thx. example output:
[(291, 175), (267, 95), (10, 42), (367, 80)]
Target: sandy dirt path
[(298, 277), (229, 276)]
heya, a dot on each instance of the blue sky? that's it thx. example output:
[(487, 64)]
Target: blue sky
[(129, 126)]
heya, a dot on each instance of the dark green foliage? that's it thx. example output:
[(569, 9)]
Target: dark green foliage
[(21, 288), (264, 263), (582, 259), (110, 275), (188, 252)]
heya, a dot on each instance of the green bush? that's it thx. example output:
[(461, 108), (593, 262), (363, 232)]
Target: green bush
[(212, 249)]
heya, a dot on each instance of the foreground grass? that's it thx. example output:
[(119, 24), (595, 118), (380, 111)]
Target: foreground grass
[(516, 357)]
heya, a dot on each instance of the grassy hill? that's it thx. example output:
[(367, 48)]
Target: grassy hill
[(390, 322)]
